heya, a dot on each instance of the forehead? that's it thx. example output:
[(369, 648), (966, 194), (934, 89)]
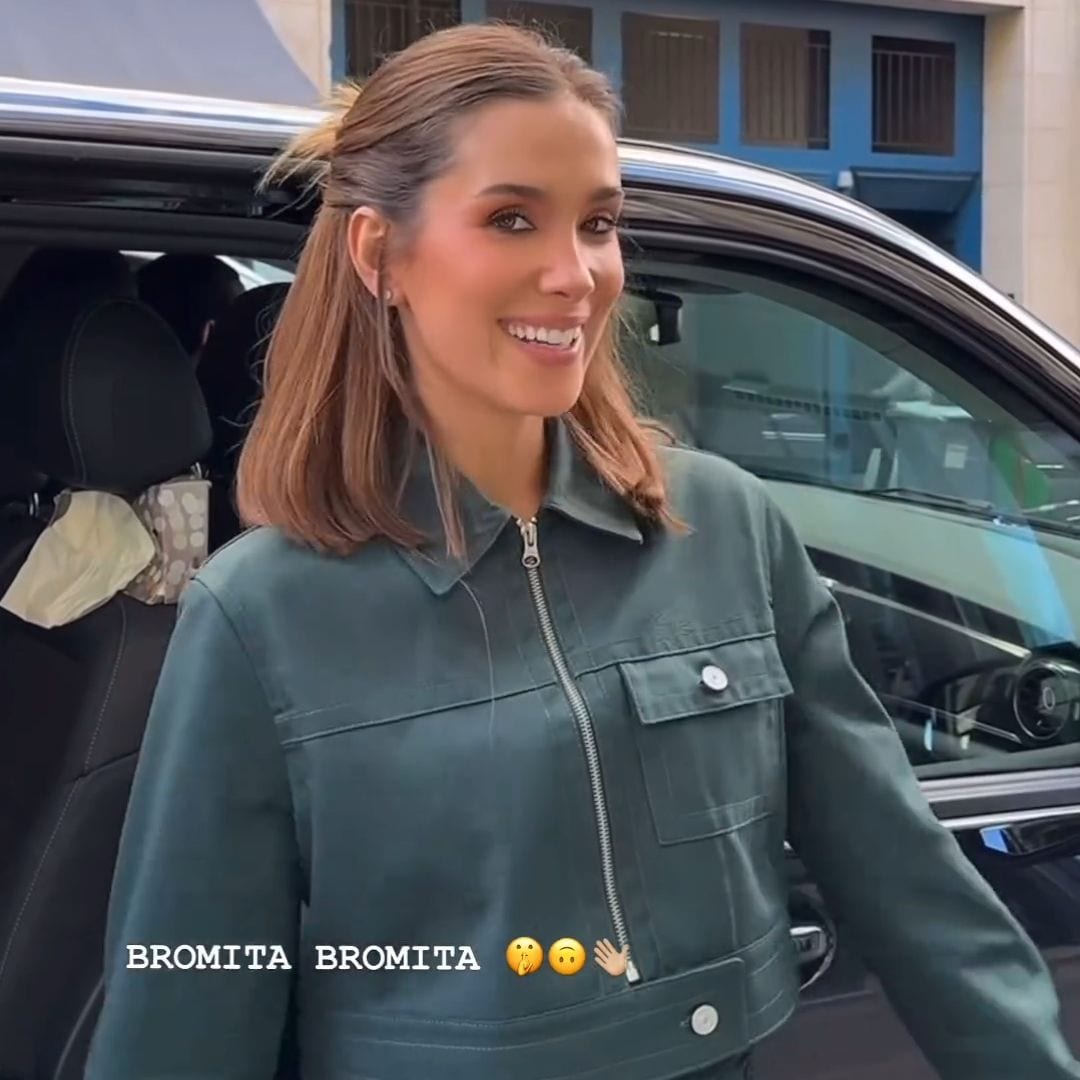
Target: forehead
[(562, 144)]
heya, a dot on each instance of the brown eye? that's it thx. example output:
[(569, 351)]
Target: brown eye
[(505, 220), (602, 224)]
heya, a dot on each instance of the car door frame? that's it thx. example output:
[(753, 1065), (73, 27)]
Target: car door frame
[(1038, 366)]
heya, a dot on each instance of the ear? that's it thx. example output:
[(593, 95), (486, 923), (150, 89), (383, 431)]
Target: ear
[(367, 241)]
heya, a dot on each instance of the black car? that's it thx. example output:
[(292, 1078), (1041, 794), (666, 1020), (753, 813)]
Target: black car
[(920, 430)]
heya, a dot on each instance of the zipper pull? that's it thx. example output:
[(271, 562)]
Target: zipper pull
[(632, 973), (531, 558)]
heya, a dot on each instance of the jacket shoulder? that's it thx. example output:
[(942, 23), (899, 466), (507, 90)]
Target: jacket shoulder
[(249, 566), (698, 479)]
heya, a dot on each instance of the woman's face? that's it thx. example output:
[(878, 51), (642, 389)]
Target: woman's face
[(515, 266)]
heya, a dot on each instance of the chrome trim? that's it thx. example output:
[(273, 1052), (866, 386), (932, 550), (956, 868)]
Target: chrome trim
[(66, 110), (1016, 817), (1030, 784), (999, 820), (701, 172), (942, 793), (90, 110)]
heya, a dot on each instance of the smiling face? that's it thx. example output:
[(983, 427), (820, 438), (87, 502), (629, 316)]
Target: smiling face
[(567, 956), (514, 268)]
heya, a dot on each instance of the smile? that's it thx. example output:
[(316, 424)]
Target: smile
[(551, 337)]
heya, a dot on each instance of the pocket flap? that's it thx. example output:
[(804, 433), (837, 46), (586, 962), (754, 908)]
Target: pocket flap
[(706, 680)]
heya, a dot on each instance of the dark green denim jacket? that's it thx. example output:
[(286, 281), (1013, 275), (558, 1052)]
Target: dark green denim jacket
[(394, 749)]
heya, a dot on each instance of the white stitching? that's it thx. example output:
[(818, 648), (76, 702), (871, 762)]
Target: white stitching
[(33, 881), (112, 682), (67, 801)]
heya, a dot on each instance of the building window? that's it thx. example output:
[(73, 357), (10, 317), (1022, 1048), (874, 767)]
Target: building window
[(914, 96), (671, 78), (785, 87), (376, 28), (565, 23)]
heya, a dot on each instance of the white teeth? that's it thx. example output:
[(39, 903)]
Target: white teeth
[(560, 338)]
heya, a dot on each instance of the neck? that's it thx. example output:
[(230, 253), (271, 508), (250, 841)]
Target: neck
[(502, 456)]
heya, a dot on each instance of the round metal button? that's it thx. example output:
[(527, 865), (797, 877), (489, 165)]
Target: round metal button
[(713, 677), (703, 1020)]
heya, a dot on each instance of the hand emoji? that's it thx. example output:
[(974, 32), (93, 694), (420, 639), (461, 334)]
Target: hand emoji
[(526, 963), (612, 961)]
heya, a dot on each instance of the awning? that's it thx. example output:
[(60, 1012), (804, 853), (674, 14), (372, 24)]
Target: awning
[(215, 48), (913, 189)]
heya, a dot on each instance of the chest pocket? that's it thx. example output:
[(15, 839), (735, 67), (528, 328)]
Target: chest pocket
[(709, 733)]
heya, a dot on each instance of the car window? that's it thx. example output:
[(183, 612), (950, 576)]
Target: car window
[(252, 272), (942, 509)]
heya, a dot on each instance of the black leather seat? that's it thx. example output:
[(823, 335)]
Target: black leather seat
[(20, 526), (52, 270), (102, 396), (230, 374), (20, 523)]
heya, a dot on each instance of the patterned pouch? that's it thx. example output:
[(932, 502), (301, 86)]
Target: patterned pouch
[(175, 515)]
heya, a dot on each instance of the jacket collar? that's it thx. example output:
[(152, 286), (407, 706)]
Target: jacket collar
[(574, 490)]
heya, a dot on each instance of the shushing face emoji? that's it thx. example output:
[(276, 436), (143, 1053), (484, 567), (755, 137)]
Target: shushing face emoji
[(525, 955), (567, 956)]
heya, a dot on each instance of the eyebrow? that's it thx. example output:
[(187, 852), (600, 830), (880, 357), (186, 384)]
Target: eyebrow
[(527, 191)]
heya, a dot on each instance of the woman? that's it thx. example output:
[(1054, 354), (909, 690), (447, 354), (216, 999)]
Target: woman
[(499, 669)]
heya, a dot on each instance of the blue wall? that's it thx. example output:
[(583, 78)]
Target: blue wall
[(852, 27)]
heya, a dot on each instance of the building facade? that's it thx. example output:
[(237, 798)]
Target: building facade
[(951, 115)]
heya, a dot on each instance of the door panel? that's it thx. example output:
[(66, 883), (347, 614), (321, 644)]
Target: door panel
[(844, 1028), (938, 504)]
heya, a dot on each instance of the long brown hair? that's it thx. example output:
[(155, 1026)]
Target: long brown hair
[(318, 460)]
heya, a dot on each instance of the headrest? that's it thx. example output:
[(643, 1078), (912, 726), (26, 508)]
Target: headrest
[(17, 479), (188, 291), (49, 269), (230, 369), (102, 394)]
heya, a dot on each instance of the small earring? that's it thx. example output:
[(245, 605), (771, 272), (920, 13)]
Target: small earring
[(388, 296)]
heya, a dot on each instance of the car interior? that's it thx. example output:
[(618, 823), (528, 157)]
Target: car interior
[(99, 395)]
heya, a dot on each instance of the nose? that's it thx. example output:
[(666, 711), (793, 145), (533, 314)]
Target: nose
[(568, 269)]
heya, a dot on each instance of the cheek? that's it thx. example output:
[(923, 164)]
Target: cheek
[(610, 277), (452, 288), (462, 266)]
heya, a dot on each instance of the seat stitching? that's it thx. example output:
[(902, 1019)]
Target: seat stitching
[(33, 882), (109, 688), (67, 801), (74, 431)]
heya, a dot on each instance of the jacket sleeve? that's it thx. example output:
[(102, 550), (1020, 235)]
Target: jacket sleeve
[(208, 857), (959, 970)]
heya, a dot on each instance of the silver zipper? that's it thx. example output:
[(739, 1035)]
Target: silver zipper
[(531, 561)]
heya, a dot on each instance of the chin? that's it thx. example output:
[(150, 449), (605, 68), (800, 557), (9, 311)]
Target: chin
[(549, 404)]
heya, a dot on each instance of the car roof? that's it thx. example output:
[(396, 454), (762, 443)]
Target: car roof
[(149, 118)]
